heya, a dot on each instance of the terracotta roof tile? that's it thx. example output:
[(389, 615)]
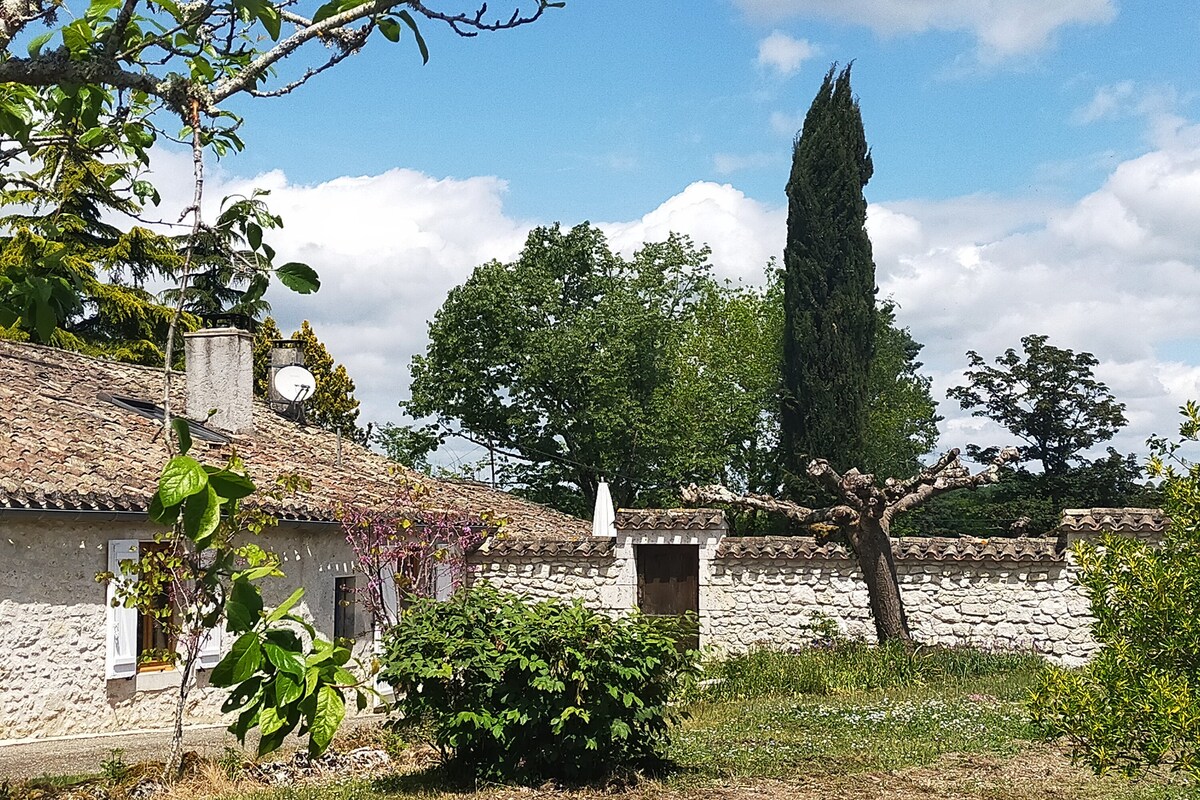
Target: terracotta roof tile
[(1144, 521), (908, 548), (670, 519), (63, 448)]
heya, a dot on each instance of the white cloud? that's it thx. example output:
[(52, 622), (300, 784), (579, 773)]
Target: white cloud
[(744, 234), (787, 124), (1108, 101), (782, 55), (1002, 28)]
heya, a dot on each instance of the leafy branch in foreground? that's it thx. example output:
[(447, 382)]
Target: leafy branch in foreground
[(281, 675), (1136, 704)]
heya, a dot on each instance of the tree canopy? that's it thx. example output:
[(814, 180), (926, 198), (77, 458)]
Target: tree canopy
[(643, 371), (1048, 397), (829, 286)]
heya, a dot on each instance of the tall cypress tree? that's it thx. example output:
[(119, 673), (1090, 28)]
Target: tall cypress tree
[(829, 285)]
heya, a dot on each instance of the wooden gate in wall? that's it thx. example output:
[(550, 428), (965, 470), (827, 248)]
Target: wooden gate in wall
[(668, 582)]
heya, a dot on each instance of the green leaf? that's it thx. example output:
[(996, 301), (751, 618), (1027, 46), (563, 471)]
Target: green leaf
[(181, 478), (330, 711), (287, 689), (163, 515), (285, 606), (298, 277), (241, 694), (38, 42), (183, 433), (270, 721), (389, 28), (241, 662), (245, 605), (201, 516), (230, 485), (284, 660), (412, 23), (254, 235), (45, 320)]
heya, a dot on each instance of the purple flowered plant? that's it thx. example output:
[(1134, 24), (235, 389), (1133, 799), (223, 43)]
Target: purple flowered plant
[(409, 548)]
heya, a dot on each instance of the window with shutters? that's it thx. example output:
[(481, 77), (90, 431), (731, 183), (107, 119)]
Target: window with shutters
[(136, 642)]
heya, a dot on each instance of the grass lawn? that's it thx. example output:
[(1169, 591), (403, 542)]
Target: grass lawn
[(851, 723)]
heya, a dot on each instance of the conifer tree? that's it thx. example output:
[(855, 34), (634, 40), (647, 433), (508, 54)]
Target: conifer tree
[(829, 286)]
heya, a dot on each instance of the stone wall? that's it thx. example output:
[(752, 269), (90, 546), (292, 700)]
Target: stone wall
[(53, 623), (771, 593), (1017, 605)]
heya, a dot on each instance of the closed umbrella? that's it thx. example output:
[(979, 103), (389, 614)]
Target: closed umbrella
[(604, 518)]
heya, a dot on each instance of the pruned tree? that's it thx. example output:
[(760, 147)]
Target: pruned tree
[(863, 518)]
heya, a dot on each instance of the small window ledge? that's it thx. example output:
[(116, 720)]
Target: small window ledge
[(157, 680)]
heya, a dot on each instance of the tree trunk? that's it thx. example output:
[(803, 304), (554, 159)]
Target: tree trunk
[(174, 766), (874, 548)]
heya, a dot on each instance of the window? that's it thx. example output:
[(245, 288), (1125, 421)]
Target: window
[(133, 642), (156, 644), (343, 610)]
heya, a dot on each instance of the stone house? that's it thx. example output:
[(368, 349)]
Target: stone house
[(80, 454)]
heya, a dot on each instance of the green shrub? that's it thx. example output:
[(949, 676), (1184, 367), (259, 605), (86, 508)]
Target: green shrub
[(1136, 704), (514, 690)]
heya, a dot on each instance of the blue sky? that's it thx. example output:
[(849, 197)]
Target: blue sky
[(604, 108), (1037, 169)]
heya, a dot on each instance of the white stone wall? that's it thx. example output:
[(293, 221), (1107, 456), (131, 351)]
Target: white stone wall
[(769, 602), (1028, 606), (53, 617), (597, 580)]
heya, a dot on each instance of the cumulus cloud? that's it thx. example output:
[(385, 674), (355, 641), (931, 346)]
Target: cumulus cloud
[(1001, 29), (743, 233), (782, 55)]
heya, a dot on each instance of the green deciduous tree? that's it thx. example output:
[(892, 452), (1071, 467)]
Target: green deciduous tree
[(902, 417), (1136, 703), (829, 286), (591, 365), (1047, 397)]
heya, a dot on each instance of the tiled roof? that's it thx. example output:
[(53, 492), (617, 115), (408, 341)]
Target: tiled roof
[(1146, 521), (61, 447), (908, 548), (670, 519), (506, 545)]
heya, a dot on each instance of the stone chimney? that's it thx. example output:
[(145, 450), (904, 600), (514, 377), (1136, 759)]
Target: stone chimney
[(220, 377)]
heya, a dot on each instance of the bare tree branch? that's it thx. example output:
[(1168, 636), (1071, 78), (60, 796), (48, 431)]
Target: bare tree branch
[(953, 475), (837, 515)]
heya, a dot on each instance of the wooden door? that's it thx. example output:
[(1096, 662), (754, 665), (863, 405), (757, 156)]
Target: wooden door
[(668, 581)]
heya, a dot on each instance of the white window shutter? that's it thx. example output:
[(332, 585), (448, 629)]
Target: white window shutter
[(443, 580), (210, 648), (387, 588), (120, 651)]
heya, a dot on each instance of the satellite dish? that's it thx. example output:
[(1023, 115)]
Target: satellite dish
[(295, 384)]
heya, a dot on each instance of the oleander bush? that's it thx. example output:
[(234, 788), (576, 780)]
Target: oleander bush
[(511, 689)]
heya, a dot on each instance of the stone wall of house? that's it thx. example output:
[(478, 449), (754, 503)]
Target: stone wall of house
[(776, 602), (53, 624)]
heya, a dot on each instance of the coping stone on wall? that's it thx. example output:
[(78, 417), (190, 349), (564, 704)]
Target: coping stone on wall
[(1147, 524), (909, 548), (670, 519)]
